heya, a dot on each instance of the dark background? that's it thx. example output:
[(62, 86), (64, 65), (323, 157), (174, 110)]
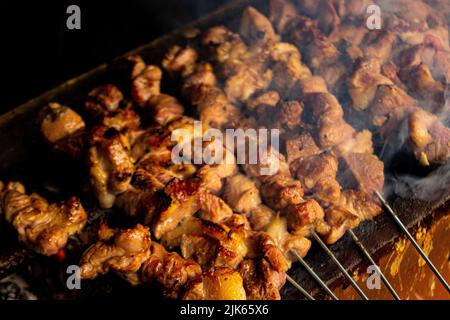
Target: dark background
[(38, 51)]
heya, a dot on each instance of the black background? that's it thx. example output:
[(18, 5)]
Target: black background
[(38, 52)]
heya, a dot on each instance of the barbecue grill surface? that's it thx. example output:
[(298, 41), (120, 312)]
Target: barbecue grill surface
[(24, 157)]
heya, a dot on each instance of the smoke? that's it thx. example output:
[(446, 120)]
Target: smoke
[(431, 188)]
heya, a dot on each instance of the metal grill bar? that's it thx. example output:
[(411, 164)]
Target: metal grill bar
[(339, 265), (314, 275), (369, 257), (413, 241), (299, 288)]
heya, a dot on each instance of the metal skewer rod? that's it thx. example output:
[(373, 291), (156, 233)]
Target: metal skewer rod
[(299, 288), (369, 257), (339, 265), (413, 241), (314, 275)]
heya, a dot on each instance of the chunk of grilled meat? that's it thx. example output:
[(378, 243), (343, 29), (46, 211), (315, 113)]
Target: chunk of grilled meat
[(184, 198), (243, 68), (364, 82), (364, 172), (124, 120), (58, 122), (285, 61), (256, 27), (164, 108), (317, 174), (122, 251), (103, 100), (169, 269), (146, 84), (200, 88), (278, 230), (326, 111), (129, 67), (303, 217), (213, 244), (428, 137), (63, 129), (260, 280), (352, 208), (216, 284), (110, 164), (42, 226), (243, 196)]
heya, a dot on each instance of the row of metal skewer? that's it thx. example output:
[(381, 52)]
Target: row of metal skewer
[(367, 255)]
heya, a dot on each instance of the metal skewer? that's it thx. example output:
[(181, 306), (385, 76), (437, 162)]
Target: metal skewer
[(314, 275), (339, 265), (369, 257), (299, 288), (413, 241)]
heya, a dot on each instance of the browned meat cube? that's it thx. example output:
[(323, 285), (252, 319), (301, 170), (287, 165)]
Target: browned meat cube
[(302, 217), (59, 122), (146, 85), (260, 280), (364, 172), (300, 147), (103, 100)]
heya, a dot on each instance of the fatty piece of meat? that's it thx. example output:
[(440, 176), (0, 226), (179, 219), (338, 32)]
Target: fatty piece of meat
[(169, 269), (123, 251), (44, 227)]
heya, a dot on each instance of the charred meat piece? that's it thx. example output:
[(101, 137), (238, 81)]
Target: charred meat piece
[(42, 226), (364, 82), (63, 129), (213, 245), (260, 280), (352, 208), (261, 245), (301, 218), (243, 68), (256, 27), (390, 102), (428, 137), (146, 85), (164, 108), (287, 68), (317, 174), (110, 164), (103, 100), (280, 191), (326, 111), (169, 269), (122, 251), (184, 198), (58, 122), (364, 172), (123, 120), (199, 87), (216, 284), (289, 116), (299, 148), (129, 67)]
